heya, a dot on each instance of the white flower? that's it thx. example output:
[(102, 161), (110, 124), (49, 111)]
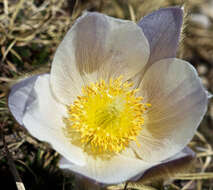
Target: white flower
[(87, 108)]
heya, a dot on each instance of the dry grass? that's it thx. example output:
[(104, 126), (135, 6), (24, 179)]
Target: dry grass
[(30, 31)]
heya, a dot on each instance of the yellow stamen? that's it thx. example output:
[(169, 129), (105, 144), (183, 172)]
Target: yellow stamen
[(107, 116)]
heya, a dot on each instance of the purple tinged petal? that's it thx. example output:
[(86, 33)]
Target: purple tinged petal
[(162, 29), (20, 96), (209, 94)]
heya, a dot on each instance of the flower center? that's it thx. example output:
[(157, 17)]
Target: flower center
[(107, 116)]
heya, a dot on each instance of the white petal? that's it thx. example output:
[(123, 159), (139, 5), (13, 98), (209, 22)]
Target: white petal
[(116, 170), (97, 46), (179, 103), (120, 168), (43, 119)]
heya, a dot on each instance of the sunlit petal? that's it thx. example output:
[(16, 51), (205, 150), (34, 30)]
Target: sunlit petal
[(43, 118), (97, 46), (115, 170), (178, 104)]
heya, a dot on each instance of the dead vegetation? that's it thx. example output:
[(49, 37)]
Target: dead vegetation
[(30, 31)]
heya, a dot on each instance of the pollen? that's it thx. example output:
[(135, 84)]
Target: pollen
[(107, 116)]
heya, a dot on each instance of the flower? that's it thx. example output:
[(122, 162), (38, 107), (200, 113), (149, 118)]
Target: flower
[(117, 102)]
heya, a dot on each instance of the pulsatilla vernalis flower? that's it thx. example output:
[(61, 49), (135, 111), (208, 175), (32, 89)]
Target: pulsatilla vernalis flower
[(116, 102)]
